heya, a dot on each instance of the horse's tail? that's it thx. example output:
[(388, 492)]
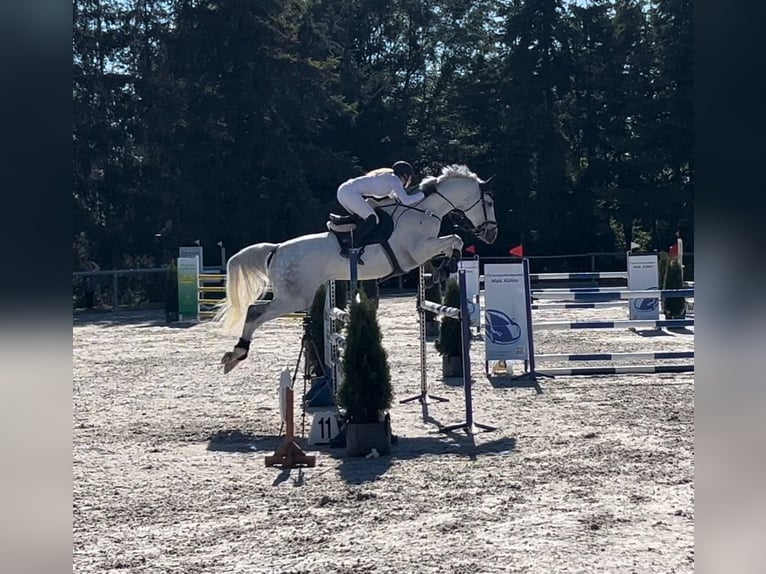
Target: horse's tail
[(246, 280)]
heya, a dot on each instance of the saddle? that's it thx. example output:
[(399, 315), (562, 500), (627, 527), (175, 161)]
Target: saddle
[(342, 226)]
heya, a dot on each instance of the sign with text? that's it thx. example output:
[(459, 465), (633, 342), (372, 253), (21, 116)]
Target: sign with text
[(643, 274), (505, 313), (192, 251), (188, 287)]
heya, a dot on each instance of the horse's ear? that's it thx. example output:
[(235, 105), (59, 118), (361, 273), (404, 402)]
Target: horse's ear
[(484, 182)]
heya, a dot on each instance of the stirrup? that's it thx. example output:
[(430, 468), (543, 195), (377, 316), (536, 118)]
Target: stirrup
[(345, 254)]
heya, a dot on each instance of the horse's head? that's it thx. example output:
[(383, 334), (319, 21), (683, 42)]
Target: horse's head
[(461, 190)]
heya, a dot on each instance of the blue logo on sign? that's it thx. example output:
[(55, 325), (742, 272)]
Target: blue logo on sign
[(500, 328), (645, 304)]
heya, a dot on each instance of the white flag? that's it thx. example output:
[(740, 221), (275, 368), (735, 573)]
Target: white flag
[(285, 382)]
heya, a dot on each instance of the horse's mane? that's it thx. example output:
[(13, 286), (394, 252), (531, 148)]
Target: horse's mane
[(449, 171)]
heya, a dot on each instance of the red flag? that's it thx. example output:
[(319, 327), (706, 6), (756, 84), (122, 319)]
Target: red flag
[(518, 251), (471, 249), (673, 250)]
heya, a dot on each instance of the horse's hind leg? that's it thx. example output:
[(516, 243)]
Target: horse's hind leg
[(232, 358), (257, 314)]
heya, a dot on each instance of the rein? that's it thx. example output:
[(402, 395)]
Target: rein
[(434, 190)]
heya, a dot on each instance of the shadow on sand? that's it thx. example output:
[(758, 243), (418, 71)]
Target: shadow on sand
[(359, 470), (235, 440), (146, 318), (515, 382)]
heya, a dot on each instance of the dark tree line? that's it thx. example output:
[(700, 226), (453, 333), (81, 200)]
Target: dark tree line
[(236, 120)]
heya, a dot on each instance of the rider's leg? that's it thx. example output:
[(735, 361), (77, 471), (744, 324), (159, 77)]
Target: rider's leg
[(356, 204), (364, 228)]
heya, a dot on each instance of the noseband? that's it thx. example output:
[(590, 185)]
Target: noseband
[(481, 229)]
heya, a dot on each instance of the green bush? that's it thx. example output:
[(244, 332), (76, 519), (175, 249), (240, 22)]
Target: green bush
[(341, 294), (366, 392), (674, 307), (371, 289), (171, 288), (450, 341), (316, 313), (433, 293), (662, 267)]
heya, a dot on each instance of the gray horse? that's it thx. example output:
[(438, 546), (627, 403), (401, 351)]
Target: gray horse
[(296, 268)]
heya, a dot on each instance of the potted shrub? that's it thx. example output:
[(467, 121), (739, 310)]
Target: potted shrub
[(450, 341), (366, 393), (674, 307), (171, 293)]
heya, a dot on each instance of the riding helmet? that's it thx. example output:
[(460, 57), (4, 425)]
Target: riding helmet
[(403, 169)]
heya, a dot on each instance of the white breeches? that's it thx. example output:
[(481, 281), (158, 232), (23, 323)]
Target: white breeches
[(354, 203)]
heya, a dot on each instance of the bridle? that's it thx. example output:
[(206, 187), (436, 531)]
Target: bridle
[(481, 229)]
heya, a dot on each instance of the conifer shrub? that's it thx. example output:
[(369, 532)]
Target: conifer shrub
[(450, 342), (316, 313), (674, 307), (433, 294), (371, 289), (662, 267), (341, 294), (171, 292), (366, 392)]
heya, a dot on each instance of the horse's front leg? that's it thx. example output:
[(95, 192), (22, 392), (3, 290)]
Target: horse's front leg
[(435, 246)]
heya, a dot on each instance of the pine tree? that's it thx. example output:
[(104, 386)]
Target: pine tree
[(450, 341), (366, 391)]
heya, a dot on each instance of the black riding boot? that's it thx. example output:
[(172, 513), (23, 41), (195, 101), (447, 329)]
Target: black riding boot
[(363, 229)]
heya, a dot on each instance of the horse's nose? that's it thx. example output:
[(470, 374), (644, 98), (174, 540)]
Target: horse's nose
[(490, 234)]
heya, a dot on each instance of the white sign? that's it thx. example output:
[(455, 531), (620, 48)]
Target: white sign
[(505, 313), (643, 274), (192, 251), (324, 427), (471, 267)]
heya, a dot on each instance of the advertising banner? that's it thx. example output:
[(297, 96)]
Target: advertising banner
[(188, 288), (505, 313), (643, 274)]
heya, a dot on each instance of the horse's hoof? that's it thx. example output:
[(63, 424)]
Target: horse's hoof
[(229, 367), (231, 359)]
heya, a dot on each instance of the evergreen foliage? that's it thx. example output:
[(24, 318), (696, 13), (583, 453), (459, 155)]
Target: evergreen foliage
[(236, 121), (171, 288), (432, 293), (366, 392), (372, 291), (674, 307), (450, 341), (316, 313)]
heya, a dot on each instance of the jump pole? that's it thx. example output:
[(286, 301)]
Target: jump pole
[(532, 373), (424, 398), (470, 426), (353, 257)]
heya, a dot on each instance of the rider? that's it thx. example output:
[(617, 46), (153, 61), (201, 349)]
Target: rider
[(379, 183)]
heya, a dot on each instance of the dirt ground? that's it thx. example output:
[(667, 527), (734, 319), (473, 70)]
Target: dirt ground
[(583, 474)]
